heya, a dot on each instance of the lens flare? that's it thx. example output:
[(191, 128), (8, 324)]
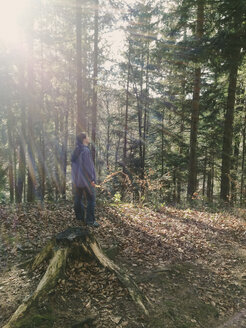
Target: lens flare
[(11, 14)]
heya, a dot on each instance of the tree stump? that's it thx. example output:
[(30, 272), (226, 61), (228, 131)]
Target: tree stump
[(72, 243)]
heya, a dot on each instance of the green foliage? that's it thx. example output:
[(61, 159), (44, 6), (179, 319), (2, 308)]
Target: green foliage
[(117, 197)]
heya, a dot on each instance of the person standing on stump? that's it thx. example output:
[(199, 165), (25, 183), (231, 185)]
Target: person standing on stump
[(84, 181)]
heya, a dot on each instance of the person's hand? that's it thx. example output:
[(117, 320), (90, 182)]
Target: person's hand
[(93, 184)]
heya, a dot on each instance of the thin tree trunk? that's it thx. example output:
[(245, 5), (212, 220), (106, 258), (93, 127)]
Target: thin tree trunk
[(146, 109), (65, 141), (192, 174), (64, 155), (204, 173), (162, 143), (81, 124), (95, 76), (181, 131), (209, 183), (31, 178), (42, 168), (127, 105), (10, 155), (174, 185), (40, 164), (210, 178), (57, 157), (108, 134), (73, 117), (41, 153), (86, 92), (212, 185), (66, 137), (179, 174), (140, 116), (243, 161), (117, 151), (228, 130), (234, 172), (22, 142), (22, 165), (15, 150)]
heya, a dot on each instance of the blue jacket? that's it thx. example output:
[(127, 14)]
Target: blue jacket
[(83, 170)]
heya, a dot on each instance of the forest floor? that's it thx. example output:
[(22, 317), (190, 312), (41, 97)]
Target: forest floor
[(190, 264)]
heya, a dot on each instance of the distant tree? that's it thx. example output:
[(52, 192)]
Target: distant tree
[(232, 35), (192, 174)]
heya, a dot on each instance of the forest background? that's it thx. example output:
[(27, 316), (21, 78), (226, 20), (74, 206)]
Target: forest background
[(158, 85)]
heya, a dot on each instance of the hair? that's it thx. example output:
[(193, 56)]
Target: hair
[(81, 136)]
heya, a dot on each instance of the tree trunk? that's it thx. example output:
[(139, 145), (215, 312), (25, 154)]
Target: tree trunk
[(95, 77), (81, 124), (210, 175), (228, 130), (31, 179), (174, 185), (234, 172), (41, 153), (108, 134), (181, 131), (86, 91), (181, 136), (162, 143), (22, 142), (57, 156), (204, 173), (243, 161), (140, 117), (192, 174), (127, 105), (117, 151), (11, 149), (64, 152), (21, 169), (146, 110), (42, 164)]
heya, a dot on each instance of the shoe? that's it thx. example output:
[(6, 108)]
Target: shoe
[(93, 224)]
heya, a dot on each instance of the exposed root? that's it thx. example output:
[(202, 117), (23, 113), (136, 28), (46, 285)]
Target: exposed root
[(49, 280), (73, 242), (45, 254), (124, 278)]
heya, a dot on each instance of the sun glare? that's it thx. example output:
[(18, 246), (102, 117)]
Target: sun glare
[(11, 12)]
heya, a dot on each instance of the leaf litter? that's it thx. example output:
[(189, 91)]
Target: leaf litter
[(190, 264)]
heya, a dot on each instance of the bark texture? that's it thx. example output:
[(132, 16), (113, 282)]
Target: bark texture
[(228, 130), (192, 177)]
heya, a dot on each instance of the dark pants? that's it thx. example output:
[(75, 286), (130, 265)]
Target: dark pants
[(79, 194)]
